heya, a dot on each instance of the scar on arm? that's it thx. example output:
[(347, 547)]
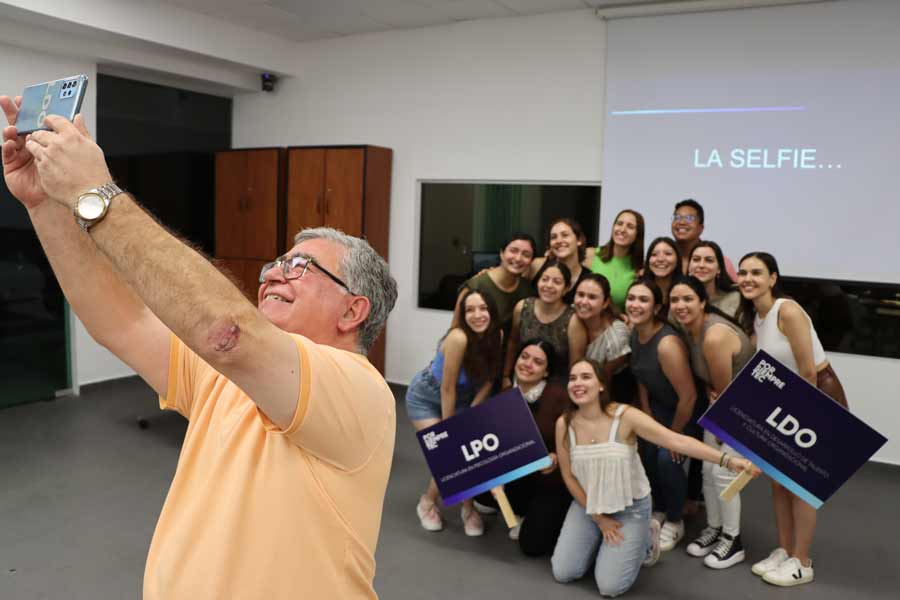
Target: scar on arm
[(224, 336)]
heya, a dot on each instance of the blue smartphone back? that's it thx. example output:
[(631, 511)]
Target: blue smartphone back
[(61, 97)]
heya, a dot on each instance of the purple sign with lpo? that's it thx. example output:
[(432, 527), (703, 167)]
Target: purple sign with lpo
[(796, 434), (484, 447)]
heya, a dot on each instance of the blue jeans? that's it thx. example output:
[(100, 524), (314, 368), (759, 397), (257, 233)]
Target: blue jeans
[(668, 479), (615, 567), (423, 397)]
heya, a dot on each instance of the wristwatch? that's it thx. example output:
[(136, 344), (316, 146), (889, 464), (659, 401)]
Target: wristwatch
[(92, 206)]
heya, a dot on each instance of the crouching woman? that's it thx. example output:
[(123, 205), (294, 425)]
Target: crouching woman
[(609, 518)]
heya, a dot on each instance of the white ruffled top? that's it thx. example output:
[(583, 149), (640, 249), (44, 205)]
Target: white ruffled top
[(610, 472)]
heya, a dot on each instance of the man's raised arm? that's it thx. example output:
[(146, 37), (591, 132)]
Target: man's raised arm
[(181, 287), (110, 310)]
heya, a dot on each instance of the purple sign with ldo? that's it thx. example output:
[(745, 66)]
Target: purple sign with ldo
[(796, 434), (483, 447)]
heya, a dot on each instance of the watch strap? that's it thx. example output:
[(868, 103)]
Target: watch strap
[(106, 192)]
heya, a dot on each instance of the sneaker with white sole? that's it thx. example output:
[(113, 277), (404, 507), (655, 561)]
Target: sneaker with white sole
[(670, 534), (429, 515), (773, 561), (729, 551), (653, 551), (514, 531), (484, 509), (705, 542), (790, 573), (472, 523), (659, 516)]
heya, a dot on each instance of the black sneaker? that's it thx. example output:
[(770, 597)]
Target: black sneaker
[(728, 551), (705, 542)]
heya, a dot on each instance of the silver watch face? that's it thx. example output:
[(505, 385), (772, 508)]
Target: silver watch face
[(90, 207)]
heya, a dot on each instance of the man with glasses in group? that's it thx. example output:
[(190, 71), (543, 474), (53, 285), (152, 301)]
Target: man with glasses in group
[(687, 226), (281, 479)]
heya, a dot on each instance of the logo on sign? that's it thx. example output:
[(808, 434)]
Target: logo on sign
[(432, 438), (490, 442), (764, 371), (805, 438)]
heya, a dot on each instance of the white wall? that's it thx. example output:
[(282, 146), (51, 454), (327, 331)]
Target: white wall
[(510, 99)]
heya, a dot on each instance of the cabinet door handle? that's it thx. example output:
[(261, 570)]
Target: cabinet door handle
[(327, 207)]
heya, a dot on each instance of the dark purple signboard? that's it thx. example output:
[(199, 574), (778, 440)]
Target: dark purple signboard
[(796, 434), (484, 447)]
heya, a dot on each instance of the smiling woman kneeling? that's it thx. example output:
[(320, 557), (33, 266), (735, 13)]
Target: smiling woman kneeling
[(596, 442)]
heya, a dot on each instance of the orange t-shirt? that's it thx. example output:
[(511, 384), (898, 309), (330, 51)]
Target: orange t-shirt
[(257, 512)]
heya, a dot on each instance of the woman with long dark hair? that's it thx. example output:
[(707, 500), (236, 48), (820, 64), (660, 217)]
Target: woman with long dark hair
[(548, 317), (666, 390), (609, 517), (663, 266), (609, 340), (622, 256), (784, 330), (707, 263), (541, 499), (461, 375), (504, 283), (719, 350), (566, 244)]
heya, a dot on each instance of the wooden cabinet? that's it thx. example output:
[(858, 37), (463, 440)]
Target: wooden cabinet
[(249, 212), (264, 197), (249, 204), (345, 187)]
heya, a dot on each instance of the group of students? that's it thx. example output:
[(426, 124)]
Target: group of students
[(607, 346)]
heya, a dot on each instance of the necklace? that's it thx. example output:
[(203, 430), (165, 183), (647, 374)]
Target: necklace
[(589, 428)]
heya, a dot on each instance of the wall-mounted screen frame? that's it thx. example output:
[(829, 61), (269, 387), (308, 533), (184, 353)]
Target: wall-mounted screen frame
[(464, 223)]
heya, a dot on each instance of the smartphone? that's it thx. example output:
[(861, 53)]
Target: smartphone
[(61, 97)]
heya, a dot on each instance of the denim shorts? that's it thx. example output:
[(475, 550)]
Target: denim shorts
[(423, 397)]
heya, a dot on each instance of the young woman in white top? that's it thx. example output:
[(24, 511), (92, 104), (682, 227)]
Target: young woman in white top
[(784, 330), (609, 339), (596, 445)]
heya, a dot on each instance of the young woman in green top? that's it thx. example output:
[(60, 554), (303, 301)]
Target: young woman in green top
[(621, 257)]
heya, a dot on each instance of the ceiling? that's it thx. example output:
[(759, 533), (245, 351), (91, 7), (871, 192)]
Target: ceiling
[(305, 20)]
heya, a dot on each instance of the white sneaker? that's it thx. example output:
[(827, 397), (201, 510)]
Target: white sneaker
[(484, 509), (790, 573), (514, 532), (472, 523), (429, 515), (670, 535), (653, 552), (705, 542), (773, 561)]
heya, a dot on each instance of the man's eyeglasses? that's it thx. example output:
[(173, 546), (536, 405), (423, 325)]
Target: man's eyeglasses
[(295, 267), (686, 218)]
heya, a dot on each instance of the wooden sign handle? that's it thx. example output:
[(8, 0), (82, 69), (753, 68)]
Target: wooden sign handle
[(736, 485), (508, 515)]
